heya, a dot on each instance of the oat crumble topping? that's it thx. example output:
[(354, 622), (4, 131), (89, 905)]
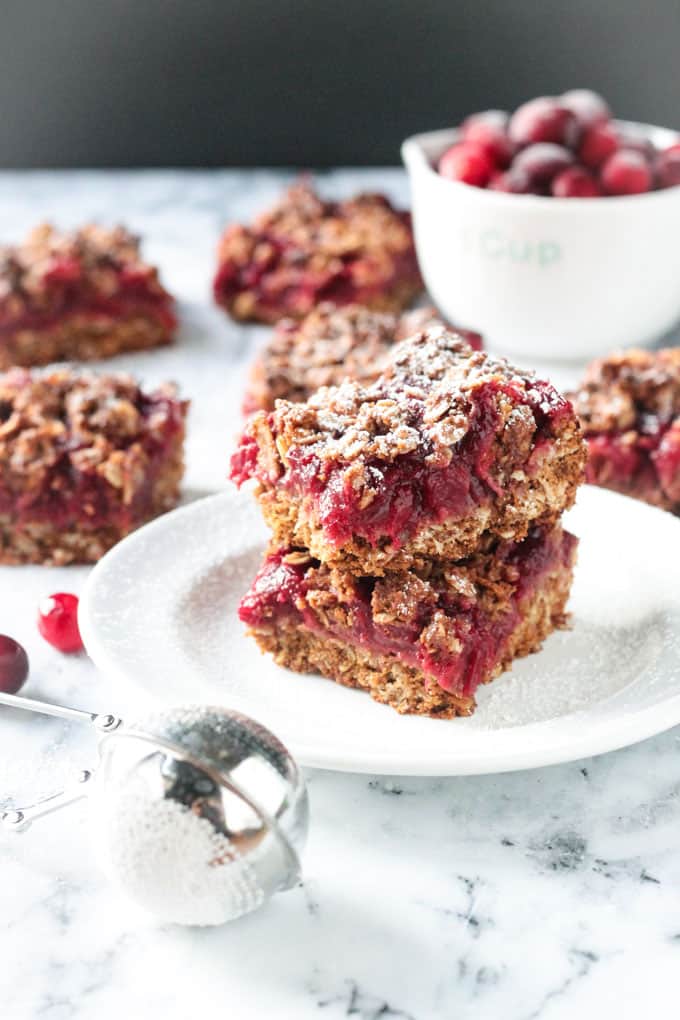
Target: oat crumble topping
[(421, 401), (103, 424), (619, 392), (329, 345), (97, 259)]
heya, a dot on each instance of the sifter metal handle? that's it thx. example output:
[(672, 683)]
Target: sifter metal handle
[(19, 819), (102, 722)]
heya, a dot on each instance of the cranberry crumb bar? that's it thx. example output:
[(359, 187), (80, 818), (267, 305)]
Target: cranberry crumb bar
[(448, 448), (422, 640), (629, 406), (81, 296), (328, 345), (84, 459), (305, 251)]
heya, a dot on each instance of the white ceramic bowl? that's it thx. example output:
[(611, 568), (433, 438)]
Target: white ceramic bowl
[(547, 277)]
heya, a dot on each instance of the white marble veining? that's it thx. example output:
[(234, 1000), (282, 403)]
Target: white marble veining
[(550, 894)]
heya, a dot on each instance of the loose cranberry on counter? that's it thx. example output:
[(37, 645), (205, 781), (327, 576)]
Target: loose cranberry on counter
[(489, 131), (467, 162), (597, 144), (626, 173), (588, 107), (668, 167), (543, 120), (542, 162), (13, 665), (58, 622), (575, 182)]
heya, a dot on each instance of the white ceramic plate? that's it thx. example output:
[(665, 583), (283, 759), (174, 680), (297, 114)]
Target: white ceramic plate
[(160, 610)]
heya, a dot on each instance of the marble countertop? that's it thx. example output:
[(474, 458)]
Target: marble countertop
[(547, 894)]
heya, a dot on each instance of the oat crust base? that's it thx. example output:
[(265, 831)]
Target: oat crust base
[(404, 687), (81, 338)]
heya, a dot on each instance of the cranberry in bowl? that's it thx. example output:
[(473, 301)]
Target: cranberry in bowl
[(554, 232)]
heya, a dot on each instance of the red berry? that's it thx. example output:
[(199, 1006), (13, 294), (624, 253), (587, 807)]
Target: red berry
[(668, 167), (516, 181), (587, 106), (492, 118), (58, 622), (468, 163), (13, 665), (598, 144), (500, 182), (543, 120), (575, 182), (488, 130), (542, 162), (630, 138), (626, 173)]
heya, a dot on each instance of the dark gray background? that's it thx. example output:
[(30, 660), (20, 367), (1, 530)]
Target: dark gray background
[(306, 82)]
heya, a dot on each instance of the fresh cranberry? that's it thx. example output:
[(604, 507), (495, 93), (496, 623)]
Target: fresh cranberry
[(512, 181), (597, 144), (58, 622), (542, 162), (543, 120), (626, 173), (491, 118), (468, 163), (587, 106), (575, 182), (489, 131), (668, 167), (13, 665), (630, 138)]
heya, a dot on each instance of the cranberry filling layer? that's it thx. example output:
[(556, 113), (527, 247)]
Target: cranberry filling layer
[(408, 492), (63, 303), (285, 279), (644, 463), (454, 634)]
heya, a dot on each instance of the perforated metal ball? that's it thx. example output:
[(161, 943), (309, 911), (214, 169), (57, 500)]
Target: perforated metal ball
[(200, 814)]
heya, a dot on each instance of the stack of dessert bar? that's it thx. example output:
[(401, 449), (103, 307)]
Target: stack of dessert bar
[(416, 539)]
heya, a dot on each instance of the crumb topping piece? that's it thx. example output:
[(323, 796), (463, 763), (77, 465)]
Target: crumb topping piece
[(326, 230)]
